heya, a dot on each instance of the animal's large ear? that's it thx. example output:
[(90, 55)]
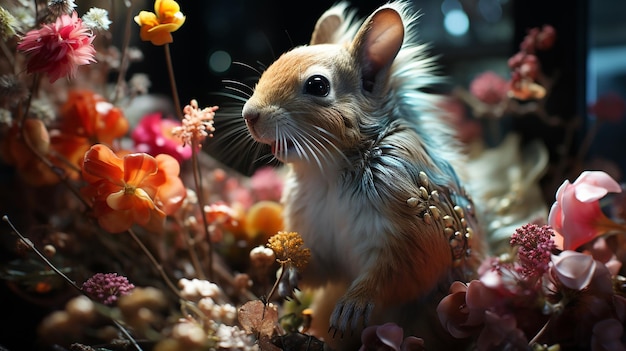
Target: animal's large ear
[(376, 45), (328, 25)]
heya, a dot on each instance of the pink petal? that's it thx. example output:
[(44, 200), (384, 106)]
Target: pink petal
[(589, 193), (391, 335), (574, 269), (599, 178)]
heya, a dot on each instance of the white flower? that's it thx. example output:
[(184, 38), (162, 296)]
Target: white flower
[(97, 19)]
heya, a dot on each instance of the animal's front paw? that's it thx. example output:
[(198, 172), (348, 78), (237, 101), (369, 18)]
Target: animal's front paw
[(348, 312)]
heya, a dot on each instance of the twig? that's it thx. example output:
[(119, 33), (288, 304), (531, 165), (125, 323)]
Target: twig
[(197, 178), (155, 263), (41, 255), (170, 73), (124, 60)]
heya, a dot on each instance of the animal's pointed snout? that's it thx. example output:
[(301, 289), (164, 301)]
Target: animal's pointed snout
[(251, 115)]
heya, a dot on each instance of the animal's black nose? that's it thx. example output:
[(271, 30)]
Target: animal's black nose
[(251, 117)]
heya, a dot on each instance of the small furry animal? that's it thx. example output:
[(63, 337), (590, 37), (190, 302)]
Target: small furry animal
[(372, 187)]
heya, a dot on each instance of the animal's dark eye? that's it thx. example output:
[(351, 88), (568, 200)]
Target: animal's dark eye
[(317, 85)]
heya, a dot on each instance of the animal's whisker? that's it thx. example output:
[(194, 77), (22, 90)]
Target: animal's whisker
[(330, 143), (317, 151), (252, 68), (235, 83)]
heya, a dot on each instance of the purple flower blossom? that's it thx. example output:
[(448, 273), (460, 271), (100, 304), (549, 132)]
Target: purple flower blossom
[(107, 287)]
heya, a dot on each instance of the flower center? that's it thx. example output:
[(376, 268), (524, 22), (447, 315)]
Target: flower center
[(129, 189)]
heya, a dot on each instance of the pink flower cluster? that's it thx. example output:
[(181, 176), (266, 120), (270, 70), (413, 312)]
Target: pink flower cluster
[(525, 67), (107, 287), (537, 295)]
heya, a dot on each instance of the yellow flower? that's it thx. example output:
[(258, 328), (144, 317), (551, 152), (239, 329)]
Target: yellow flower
[(287, 247), (157, 26)]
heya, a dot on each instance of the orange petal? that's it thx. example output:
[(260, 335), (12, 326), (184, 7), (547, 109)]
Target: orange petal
[(116, 221), (111, 124), (156, 38), (137, 167), (101, 162), (156, 221), (170, 194)]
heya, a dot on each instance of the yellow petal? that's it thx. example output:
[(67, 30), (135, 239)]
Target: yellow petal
[(145, 18), (166, 8)]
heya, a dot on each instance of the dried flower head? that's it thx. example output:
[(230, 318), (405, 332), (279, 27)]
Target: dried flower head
[(197, 124), (534, 248), (97, 19), (61, 7), (58, 48), (8, 24), (107, 287), (287, 247)]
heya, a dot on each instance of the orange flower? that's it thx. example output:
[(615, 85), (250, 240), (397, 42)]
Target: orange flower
[(157, 27), (137, 188), (86, 118), (87, 114)]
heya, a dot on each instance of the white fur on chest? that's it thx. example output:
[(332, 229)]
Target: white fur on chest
[(342, 233)]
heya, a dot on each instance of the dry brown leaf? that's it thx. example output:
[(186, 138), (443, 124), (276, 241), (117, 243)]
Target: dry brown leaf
[(256, 317)]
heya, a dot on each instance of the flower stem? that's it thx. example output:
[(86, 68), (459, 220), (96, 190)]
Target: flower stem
[(124, 60), (283, 268), (197, 178), (155, 263), (65, 277), (170, 73)]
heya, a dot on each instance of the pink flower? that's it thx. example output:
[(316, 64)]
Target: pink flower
[(389, 336), (489, 88), (462, 312), (267, 184), (573, 269), (58, 48), (607, 335), (576, 215), (501, 333), (153, 135)]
